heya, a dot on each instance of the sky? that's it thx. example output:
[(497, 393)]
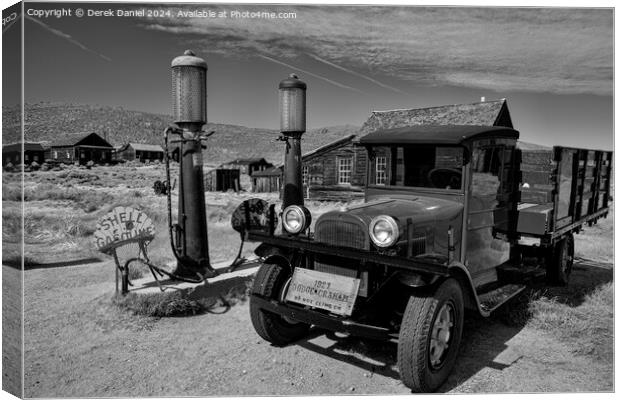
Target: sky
[(553, 65)]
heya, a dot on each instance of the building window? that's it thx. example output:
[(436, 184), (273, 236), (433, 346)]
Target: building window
[(304, 175), (381, 167), (26, 157), (345, 165)]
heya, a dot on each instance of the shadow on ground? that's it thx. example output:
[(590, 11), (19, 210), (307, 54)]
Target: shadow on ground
[(484, 339), (28, 265)]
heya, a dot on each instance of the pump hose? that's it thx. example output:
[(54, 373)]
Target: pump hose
[(162, 271)]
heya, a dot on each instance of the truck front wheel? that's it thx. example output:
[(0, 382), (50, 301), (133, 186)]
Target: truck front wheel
[(430, 335), (560, 261), (270, 282)]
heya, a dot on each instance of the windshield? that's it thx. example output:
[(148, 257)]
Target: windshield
[(426, 166)]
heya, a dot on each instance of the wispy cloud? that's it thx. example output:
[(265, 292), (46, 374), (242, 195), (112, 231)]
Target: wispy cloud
[(383, 85), (556, 50), (340, 85), (67, 37)]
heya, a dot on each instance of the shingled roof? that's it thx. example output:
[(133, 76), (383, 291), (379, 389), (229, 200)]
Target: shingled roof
[(143, 147), (487, 113), (28, 146), (73, 139)]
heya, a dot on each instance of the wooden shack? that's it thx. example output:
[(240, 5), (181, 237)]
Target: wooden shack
[(222, 180), (15, 154), (267, 181), (247, 166), (140, 152), (80, 148)]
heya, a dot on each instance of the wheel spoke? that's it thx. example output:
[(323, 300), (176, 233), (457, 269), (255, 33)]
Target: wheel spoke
[(441, 333)]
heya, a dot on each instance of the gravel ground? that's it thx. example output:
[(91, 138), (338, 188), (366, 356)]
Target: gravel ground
[(79, 345)]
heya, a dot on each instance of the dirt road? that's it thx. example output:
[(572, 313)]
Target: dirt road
[(78, 344)]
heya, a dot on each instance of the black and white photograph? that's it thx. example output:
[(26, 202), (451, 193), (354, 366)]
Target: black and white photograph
[(210, 199)]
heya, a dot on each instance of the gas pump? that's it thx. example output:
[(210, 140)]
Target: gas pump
[(189, 236)]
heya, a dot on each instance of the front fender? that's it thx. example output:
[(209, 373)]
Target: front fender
[(274, 255)]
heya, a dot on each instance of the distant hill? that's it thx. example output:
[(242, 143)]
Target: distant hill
[(119, 126)]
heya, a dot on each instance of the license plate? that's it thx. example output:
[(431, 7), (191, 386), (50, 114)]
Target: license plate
[(334, 293)]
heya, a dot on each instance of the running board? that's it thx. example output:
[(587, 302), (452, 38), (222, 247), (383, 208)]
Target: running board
[(491, 300)]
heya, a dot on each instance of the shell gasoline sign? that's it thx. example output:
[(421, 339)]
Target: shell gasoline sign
[(121, 225)]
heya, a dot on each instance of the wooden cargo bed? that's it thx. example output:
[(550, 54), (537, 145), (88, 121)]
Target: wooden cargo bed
[(562, 189)]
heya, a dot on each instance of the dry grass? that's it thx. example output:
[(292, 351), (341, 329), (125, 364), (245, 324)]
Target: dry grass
[(588, 326), (175, 304)]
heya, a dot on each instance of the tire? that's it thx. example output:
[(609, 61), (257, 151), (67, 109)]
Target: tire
[(423, 363), (270, 283), (560, 261)]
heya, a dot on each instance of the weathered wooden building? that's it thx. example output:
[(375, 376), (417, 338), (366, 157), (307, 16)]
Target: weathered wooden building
[(80, 148), (14, 154), (247, 165), (140, 152), (268, 180), (222, 180), (337, 171)]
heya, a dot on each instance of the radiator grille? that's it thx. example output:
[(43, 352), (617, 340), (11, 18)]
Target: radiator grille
[(342, 233)]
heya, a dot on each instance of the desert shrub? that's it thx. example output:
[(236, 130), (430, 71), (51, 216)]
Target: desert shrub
[(87, 200), (35, 165), (11, 224), (11, 192), (45, 227), (158, 304)]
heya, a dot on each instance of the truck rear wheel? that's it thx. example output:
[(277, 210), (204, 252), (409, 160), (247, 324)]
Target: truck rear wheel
[(560, 261), (430, 335), (271, 282)]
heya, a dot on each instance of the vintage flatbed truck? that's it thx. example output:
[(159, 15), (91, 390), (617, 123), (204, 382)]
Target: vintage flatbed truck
[(454, 218)]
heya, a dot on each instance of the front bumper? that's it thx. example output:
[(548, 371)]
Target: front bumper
[(302, 244), (325, 321)]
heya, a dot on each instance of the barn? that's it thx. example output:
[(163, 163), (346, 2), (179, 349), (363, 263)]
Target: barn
[(31, 152), (80, 148), (140, 152), (337, 171)]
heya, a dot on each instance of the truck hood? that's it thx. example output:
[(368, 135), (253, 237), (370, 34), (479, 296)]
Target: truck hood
[(421, 209)]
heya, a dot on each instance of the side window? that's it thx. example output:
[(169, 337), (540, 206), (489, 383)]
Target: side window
[(304, 175), (486, 176), (381, 170), (345, 166)]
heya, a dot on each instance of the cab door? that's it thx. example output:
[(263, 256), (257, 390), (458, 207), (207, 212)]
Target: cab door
[(488, 210)]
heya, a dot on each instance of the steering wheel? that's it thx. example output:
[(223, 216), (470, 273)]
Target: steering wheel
[(445, 178)]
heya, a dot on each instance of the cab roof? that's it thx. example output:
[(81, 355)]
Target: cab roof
[(437, 134)]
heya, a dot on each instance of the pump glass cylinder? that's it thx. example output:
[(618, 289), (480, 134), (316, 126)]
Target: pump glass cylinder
[(189, 89), (292, 110), (189, 94)]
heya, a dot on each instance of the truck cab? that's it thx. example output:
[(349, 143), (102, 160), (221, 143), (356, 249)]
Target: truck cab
[(437, 233)]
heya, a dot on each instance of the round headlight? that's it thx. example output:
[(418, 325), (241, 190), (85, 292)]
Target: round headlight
[(295, 219), (383, 231)]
